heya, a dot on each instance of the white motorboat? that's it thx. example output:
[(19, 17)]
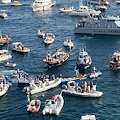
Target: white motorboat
[(6, 1), (41, 33), (49, 38), (3, 15), (18, 47), (95, 74), (83, 60), (102, 2), (66, 9), (8, 64), (5, 55), (54, 105), (118, 2), (34, 106), (101, 7), (42, 5), (33, 88), (70, 90), (68, 43), (84, 11), (88, 117)]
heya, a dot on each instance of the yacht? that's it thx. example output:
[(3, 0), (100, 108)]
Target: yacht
[(6, 1), (84, 11), (4, 55), (83, 60), (104, 2), (41, 5), (115, 60), (105, 25)]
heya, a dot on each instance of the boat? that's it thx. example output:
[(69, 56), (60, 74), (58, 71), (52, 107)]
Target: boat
[(56, 59), (84, 11), (118, 2), (6, 1), (4, 85), (42, 5), (83, 60), (102, 2), (101, 7), (34, 106), (5, 55), (70, 90), (8, 64), (53, 105), (68, 43), (115, 60), (50, 37), (16, 3), (95, 74), (4, 40), (41, 33), (66, 9), (3, 15), (36, 88), (99, 25), (88, 117), (18, 47)]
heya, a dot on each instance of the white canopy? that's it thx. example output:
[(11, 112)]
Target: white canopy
[(16, 43)]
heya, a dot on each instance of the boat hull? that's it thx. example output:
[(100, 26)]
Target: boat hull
[(6, 87)]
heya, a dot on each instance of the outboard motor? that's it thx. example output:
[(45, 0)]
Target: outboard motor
[(64, 86)]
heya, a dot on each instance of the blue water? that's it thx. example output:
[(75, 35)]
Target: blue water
[(22, 25)]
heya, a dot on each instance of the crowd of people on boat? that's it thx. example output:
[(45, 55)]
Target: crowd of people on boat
[(85, 87), (22, 74)]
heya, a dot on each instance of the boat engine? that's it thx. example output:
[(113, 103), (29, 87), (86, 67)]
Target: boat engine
[(64, 86)]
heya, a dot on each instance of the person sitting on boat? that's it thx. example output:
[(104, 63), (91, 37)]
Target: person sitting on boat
[(85, 86), (94, 70), (76, 87), (94, 88), (53, 77), (36, 103), (34, 108), (47, 76), (60, 76)]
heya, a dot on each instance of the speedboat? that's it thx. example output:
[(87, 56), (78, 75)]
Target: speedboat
[(6, 1), (3, 15), (84, 11), (56, 59), (42, 5), (18, 47), (66, 9), (5, 40), (83, 60), (49, 38), (101, 7), (95, 74), (68, 43), (8, 64), (118, 2), (70, 90), (36, 88), (41, 33), (54, 105), (34, 106), (5, 55), (115, 61), (88, 117), (16, 3)]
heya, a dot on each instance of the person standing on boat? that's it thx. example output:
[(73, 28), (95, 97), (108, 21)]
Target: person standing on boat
[(85, 86), (53, 77), (77, 72)]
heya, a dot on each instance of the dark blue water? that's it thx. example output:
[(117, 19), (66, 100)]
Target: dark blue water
[(22, 25)]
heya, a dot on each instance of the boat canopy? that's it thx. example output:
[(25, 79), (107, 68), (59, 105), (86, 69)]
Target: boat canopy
[(16, 43)]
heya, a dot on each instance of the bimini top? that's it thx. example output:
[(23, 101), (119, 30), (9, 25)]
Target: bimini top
[(3, 51), (16, 43)]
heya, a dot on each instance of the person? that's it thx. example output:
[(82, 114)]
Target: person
[(36, 103), (33, 108), (60, 76), (77, 72), (85, 86), (53, 100), (94, 87), (94, 70), (76, 87), (91, 85), (53, 77), (88, 88)]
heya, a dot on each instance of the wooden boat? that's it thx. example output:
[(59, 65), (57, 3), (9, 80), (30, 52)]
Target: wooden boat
[(16, 3), (54, 105), (8, 64), (34, 106), (33, 88), (57, 59), (88, 117), (5, 40), (18, 47), (70, 90)]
